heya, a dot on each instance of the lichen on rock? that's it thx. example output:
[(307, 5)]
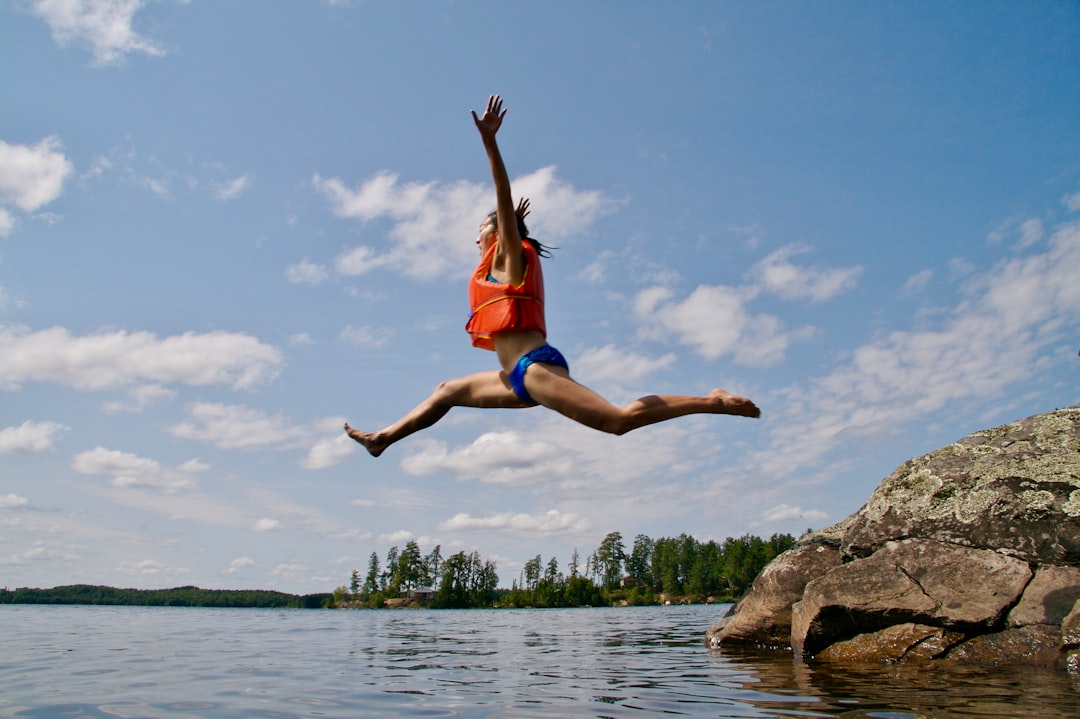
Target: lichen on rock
[(968, 552)]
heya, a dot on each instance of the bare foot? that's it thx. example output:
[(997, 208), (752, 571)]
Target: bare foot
[(734, 404), (368, 439)]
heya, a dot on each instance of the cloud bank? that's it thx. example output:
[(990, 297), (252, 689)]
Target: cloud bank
[(109, 360), (432, 223), (105, 26)]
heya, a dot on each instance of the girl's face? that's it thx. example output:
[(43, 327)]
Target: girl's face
[(486, 236)]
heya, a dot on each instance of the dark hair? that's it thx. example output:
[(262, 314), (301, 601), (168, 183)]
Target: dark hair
[(523, 233)]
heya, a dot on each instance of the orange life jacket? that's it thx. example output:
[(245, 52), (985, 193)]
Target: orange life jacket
[(497, 307)]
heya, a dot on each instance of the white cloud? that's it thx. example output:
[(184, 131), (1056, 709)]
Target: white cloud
[(156, 185), (752, 234), (145, 566), (140, 398), (715, 321), (239, 427), (366, 336), (117, 359), (130, 470), (398, 537), (193, 466), (561, 210), (12, 501), (1024, 232), (1071, 202), (787, 512), (434, 224), (596, 271), (918, 282), (300, 339), (112, 462), (280, 512), (551, 522), (329, 425), (349, 535), (237, 564), (39, 552), (189, 506), (793, 282), (103, 25), (562, 462), (398, 498), (359, 260), (306, 272), (494, 458), (231, 189), (330, 452), (98, 167), (961, 267), (611, 364), (1031, 232), (30, 437), (289, 571), (31, 176), (991, 341)]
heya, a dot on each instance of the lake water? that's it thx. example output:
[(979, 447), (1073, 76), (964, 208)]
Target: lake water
[(65, 661)]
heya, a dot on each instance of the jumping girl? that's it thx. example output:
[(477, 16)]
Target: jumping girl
[(506, 293)]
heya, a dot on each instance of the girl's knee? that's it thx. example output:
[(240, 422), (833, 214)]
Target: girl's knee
[(611, 420), (447, 391), (626, 419), (617, 424)]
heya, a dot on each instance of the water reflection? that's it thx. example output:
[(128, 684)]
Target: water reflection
[(931, 690)]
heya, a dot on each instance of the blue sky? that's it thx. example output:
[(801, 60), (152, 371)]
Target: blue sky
[(226, 228)]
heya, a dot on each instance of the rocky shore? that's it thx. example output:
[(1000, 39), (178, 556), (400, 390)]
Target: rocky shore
[(968, 554)]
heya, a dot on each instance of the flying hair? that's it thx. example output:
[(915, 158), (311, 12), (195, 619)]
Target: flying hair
[(523, 232)]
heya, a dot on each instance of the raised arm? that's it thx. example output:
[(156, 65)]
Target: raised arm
[(509, 256)]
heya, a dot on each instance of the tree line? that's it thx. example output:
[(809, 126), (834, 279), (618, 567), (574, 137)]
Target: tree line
[(176, 597), (674, 568)]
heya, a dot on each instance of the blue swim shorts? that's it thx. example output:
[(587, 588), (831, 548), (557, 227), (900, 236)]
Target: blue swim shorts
[(544, 355)]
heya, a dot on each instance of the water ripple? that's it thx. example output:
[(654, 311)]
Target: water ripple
[(619, 663)]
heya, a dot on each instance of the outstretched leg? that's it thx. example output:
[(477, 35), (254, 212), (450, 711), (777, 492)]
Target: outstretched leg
[(553, 388), (484, 389)]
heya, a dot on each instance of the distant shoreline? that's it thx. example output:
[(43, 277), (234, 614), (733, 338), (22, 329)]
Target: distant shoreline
[(190, 596)]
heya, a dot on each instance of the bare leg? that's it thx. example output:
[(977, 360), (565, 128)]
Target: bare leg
[(484, 389), (553, 388)]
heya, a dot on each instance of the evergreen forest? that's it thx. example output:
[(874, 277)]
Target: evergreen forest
[(648, 571)]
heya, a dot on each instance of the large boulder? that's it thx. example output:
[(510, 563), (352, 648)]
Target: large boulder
[(916, 580), (763, 616), (970, 552)]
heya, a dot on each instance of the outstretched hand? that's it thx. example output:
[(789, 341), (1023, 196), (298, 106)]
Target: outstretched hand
[(492, 118), (522, 210)]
